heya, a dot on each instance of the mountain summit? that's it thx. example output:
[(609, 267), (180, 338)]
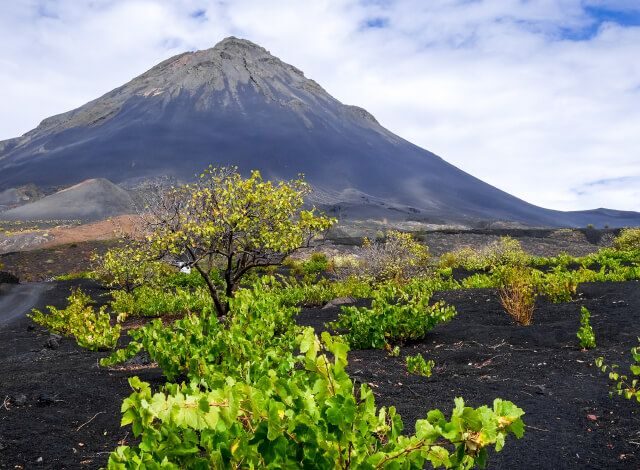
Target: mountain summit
[(236, 104)]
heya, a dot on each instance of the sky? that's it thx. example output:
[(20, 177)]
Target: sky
[(540, 98)]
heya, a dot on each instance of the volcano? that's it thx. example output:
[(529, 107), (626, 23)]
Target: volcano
[(236, 104)]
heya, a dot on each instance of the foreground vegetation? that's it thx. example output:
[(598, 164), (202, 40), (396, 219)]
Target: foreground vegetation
[(247, 387)]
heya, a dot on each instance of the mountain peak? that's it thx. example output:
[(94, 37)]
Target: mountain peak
[(237, 104), (240, 46)]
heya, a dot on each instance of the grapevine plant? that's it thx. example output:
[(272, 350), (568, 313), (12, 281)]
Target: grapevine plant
[(304, 414), (261, 391), (623, 385), (585, 334), (91, 329), (417, 365), (397, 314)]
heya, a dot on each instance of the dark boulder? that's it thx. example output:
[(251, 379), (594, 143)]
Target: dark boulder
[(8, 278)]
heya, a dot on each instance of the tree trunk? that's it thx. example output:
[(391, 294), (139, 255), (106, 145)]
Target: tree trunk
[(221, 308)]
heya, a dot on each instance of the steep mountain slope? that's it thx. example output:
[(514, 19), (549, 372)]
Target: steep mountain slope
[(237, 104), (92, 199)]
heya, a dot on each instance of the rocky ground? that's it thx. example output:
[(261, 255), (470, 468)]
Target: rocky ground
[(39, 235), (46, 263), (538, 242)]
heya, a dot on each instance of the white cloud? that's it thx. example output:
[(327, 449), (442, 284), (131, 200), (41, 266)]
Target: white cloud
[(536, 97)]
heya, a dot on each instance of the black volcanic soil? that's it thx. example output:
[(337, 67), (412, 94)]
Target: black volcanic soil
[(45, 263), (62, 389), (479, 355)]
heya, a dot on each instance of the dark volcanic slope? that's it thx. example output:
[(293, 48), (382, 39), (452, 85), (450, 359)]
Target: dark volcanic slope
[(237, 104)]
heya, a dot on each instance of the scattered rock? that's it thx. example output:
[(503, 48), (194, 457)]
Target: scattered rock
[(337, 302), (19, 400), (141, 359), (53, 342), (8, 278), (45, 399)]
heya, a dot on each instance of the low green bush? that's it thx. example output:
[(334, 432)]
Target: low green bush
[(557, 286), (308, 415), (479, 281), (503, 252), (74, 276), (395, 316), (313, 294), (417, 365), (148, 301), (197, 345), (628, 240), (308, 269), (91, 329), (623, 385), (585, 334)]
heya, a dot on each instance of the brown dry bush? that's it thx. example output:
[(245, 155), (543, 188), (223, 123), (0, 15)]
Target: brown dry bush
[(518, 294), (398, 257)]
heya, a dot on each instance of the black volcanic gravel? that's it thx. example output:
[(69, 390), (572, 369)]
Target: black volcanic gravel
[(479, 355)]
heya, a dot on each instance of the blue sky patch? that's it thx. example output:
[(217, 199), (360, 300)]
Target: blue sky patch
[(199, 14), (377, 22), (599, 16)]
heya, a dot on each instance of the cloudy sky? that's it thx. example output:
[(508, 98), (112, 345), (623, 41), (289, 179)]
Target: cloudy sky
[(540, 98)]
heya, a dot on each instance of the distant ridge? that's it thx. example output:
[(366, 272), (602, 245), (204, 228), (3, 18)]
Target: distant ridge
[(93, 199), (236, 104)]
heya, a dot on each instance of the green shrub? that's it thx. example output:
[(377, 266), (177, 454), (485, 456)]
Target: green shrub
[(395, 316), (91, 329), (465, 257), (623, 385), (504, 252), (309, 294), (628, 240), (147, 301), (316, 264), (197, 346), (557, 286), (305, 414), (417, 365), (479, 281), (74, 276), (585, 332), (128, 267)]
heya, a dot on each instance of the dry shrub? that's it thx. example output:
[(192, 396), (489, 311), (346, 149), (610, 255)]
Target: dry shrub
[(506, 251), (517, 293), (398, 257)]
